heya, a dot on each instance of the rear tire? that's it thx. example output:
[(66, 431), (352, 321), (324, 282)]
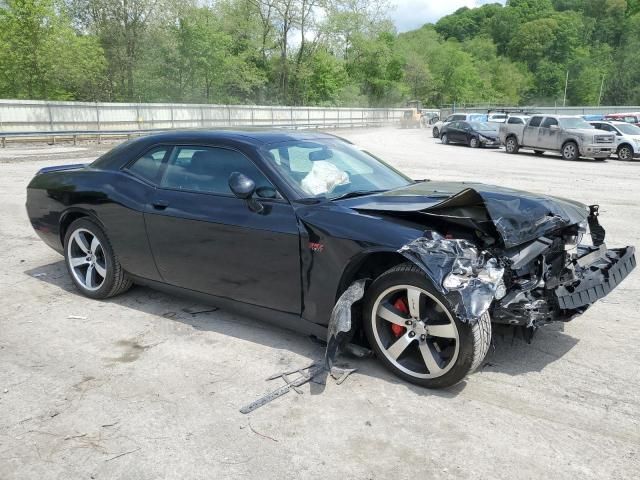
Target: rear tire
[(422, 342), (511, 145), (91, 261), (444, 139), (435, 132)]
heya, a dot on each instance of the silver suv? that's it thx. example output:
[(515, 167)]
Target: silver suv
[(627, 138)]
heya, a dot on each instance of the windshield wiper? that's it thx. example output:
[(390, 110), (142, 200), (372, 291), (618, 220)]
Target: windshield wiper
[(357, 193)]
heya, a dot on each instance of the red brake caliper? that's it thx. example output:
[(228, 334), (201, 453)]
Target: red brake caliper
[(401, 305)]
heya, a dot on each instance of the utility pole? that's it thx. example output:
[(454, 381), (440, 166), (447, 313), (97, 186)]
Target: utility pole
[(601, 86), (566, 82)]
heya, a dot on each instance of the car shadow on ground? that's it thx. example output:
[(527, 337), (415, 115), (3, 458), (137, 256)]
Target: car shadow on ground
[(509, 352), (553, 155)]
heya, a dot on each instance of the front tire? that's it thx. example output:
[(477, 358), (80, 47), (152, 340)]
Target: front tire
[(435, 132), (444, 139), (414, 333), (474, 142), (91, 261), (511, 145), (570, 151), (625, 153)]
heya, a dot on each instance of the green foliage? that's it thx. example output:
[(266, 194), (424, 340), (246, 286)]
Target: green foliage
[(319, 52), (42, 57)]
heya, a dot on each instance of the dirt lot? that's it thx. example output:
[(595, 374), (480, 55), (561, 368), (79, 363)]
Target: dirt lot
[(134, 387)]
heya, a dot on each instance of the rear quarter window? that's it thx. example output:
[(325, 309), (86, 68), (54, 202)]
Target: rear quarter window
[(148, 165), (535, 121)]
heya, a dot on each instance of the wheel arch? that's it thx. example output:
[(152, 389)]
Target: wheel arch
[(570, 140), (71, 215), (369, 264), (625, 144)]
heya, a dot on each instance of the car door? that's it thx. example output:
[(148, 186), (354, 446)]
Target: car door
[(548, 134), (205, 239), (453, 130), (530, 131), (464, 132)]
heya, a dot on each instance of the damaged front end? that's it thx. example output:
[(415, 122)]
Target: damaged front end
[(555, 278), (550, 278)]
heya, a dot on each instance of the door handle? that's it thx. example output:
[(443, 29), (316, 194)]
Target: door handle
[(160, 204)]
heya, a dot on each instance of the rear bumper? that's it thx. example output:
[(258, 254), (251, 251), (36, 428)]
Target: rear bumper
[(600, 271)]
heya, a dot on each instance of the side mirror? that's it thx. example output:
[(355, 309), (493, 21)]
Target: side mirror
[(244, 188), (241, 185), (554, 127)]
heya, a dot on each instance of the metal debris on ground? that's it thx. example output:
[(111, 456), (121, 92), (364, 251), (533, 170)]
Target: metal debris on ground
[(338, 330), (199, 309), (306, 374)]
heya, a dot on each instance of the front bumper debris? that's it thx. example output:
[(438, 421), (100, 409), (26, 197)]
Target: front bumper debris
[(598, 272)]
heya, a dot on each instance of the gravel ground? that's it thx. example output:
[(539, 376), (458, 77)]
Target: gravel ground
[(134, 387)]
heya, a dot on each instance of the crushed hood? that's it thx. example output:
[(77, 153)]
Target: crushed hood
[(518, 216)]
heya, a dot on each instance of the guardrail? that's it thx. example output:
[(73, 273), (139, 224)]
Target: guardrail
[(36, 119), (98, 135)]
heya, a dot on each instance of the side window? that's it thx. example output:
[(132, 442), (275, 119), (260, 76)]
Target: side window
[(459, 117), (207, 169), (535, 121), (148, 165), (548, 122), (450, 118)]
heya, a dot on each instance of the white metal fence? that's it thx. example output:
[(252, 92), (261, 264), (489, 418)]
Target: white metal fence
[(29, 116)]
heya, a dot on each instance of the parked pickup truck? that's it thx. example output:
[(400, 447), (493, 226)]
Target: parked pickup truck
[(571, 136)]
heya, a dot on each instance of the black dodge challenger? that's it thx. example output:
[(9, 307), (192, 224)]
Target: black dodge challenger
[(280, 225)]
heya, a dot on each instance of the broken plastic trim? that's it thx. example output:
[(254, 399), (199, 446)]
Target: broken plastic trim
[(340, 321), (466, 277)]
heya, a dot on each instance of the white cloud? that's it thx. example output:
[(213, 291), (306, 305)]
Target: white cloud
[(412, 14)]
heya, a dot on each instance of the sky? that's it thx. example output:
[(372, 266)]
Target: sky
[(412, 14)]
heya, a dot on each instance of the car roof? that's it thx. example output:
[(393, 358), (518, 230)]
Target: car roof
[(609, 122), (124, 152), (256, 136)]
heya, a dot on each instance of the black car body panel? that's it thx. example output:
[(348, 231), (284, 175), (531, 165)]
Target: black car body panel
[(463, 132), (518, 216), (291, 262)]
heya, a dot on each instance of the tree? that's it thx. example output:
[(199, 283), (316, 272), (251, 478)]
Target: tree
[(121, 26), (42, 57), (377, 67)]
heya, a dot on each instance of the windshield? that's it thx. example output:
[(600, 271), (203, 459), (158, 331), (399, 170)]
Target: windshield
[(574, 123), (328, 168), (479, 117), (628, 129), (484, 126)]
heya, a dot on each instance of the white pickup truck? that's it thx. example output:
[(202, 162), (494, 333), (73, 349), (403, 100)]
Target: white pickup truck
[(571, 136)]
